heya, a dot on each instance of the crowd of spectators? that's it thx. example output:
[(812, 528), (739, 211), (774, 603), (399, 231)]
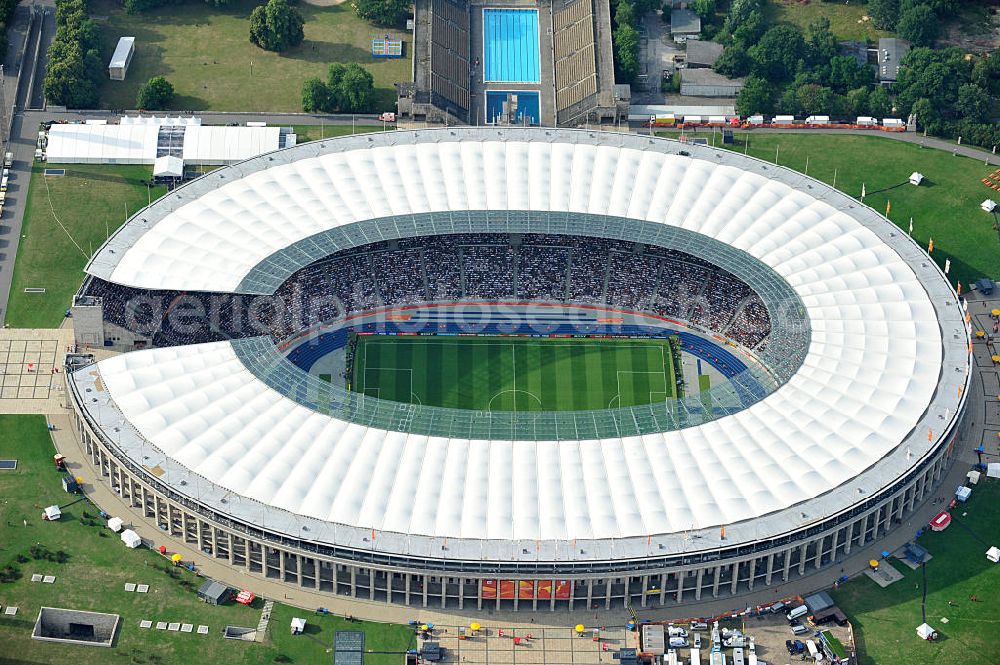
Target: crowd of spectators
[(453, 268)]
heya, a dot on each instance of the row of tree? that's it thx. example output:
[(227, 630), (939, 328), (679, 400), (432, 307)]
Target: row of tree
[(136, 6), (348, 89), (74, 69), (626, 16), (7, 8)]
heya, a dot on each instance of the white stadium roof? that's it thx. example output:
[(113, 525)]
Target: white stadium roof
[(883, 369)]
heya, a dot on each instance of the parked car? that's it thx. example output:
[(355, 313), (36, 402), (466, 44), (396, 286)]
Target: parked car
[(800, 647), (699, 625), (798, 629)]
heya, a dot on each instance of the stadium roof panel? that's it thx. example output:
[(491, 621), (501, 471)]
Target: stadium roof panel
[(879, 387)]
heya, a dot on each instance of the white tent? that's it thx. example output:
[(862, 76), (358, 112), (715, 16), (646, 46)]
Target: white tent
[(226, 145), (973, 477), (115, 524), (916, 178), (993, 554), (168, 167), (993, 470), (988, 205), (298, 626), (131, 539), (925, 632), (53, 513), (963, 493), (102, 144)]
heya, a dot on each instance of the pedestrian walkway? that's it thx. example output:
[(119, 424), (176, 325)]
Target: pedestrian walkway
[(265, 617)]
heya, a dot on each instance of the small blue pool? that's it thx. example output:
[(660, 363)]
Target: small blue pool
[(527, 105), (510, 45)]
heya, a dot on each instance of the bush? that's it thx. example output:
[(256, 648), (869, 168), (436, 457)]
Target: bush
[(39, 552), (348, 89), (10, 574), (22, 559), (155, 94), (276, 26)]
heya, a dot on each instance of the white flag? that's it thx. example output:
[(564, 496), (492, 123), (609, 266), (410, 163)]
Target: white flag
[(862, 191), (911, 227), (947, 265)]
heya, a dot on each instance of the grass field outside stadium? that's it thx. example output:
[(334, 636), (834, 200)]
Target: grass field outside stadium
[(514, 373)]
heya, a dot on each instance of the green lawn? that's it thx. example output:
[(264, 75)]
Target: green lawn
[(305, 133), (845, 17), (65, 220), (98, 567), (944, 207), (206, 54), (514, 374), (885, 620)]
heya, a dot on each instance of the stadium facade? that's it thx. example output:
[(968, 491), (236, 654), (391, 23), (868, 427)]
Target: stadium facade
[(228, 446)]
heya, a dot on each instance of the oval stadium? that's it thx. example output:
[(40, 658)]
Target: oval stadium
[(518, 368)]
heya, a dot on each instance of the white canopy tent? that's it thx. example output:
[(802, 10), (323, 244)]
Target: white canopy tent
[(168, 167), (131, 539), (102, 144), (925, 632), (115, 524), (993, 470), (298, 626), (52, 513), (227, 145), (993, 554)]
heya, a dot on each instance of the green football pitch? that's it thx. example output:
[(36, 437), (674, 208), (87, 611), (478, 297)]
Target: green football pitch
[(514, 374)]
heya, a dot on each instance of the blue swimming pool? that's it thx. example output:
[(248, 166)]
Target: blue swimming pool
[(510, 45), (527, 105)]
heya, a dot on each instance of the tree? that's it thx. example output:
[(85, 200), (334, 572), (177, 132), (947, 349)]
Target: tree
[(155, 94), (986, 73), (626, 43), (846, 74), (821, 43), (973, 103), (927, 116), (757, 96), (357, 90), (884, 13), (276, 26), (879, 103), (316, 97), (776, 56), (705, 9), (813, 99), (750, 30), (739, 12), (383, 12), (625, 13), (733, 61), (918, 25), (857, 101)]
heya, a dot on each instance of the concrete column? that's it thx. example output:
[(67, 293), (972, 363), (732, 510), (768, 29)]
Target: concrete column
[(819, 552), (607, 595), (590, 593), (645, 588), (479, 594), (281, 565), (354, 583), (803, 550), (680, 585), (770, 569), (423, 588), (834, 543), (753, 572), (715, 582), (697, 588), (461, 593), (788, 563), (444, 592), (552, 597), (663, 589), (850, 537), (736, 579)]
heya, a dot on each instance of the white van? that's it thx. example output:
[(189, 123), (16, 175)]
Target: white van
[(676, 631), (799, 629), (814, 651), (677, 642), (799, 611)]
